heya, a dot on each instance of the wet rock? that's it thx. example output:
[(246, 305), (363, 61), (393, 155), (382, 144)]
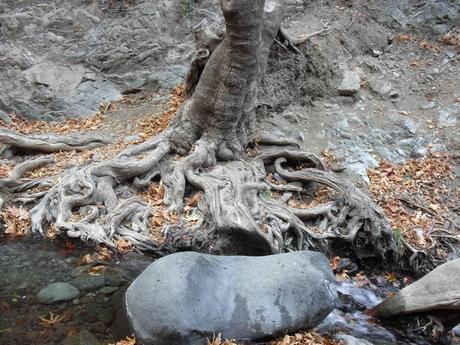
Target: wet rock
[(448, 115), (82, 338), (186, 297), (382, 87), (350, 84), (350, 340), (107, 290), (438, 290), (88, 282), (346, 264), (57, 293), (456, 330)]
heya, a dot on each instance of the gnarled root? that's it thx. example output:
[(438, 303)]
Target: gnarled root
[(237, 214), (93, 191), (49, 142)]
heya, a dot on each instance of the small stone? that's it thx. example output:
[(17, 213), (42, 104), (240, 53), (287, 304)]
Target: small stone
[(57, 293), (456, 330), (419, 153), (106, 290), (381, 87), (394, 94), (376, 52), (88, 282), (346, 264), (82, 338), (350, 84)]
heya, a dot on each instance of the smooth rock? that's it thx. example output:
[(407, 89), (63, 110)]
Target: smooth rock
[(438, 290), (456, 330), (57, 293), (350, 84), (185, 298), (88, 282), (381, 87), (59, 78), (82, 338)]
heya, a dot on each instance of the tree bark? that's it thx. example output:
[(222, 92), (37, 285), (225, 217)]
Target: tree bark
[(221, 107), (204, 149)]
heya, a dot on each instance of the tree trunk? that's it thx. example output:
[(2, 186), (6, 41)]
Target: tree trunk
[(210, 133), (221, 107)]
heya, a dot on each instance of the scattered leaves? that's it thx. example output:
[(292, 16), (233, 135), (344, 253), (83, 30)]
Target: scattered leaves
[(123, 245), (403, 38), (424, 181), (4, 170), (306, 338), (451, 39), (156, 123), (52, 320), (97, 270), (127, 341), (391, 277), (216, 340), (17, 221)]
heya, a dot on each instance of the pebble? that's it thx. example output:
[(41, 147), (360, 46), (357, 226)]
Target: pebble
[(350, 84), (57, 293), (82, 338)]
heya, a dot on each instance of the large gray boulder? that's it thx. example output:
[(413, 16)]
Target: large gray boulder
[(437, 291), (187, 297)]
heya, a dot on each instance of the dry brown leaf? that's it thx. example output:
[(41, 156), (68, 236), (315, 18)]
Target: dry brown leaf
[(51, 320), (127, 341)]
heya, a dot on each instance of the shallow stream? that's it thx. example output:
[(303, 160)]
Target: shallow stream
[(27, 265)]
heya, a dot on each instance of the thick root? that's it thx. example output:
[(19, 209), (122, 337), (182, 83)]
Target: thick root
[(48, 142)]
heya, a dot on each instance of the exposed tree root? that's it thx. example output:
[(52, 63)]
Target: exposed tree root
[(210, 132), (48, 142), (15, 181)]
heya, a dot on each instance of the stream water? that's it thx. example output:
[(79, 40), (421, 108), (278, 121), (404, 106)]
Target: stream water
[(27, 265)]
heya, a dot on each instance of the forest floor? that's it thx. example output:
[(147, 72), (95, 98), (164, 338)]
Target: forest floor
[(397, 136)]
